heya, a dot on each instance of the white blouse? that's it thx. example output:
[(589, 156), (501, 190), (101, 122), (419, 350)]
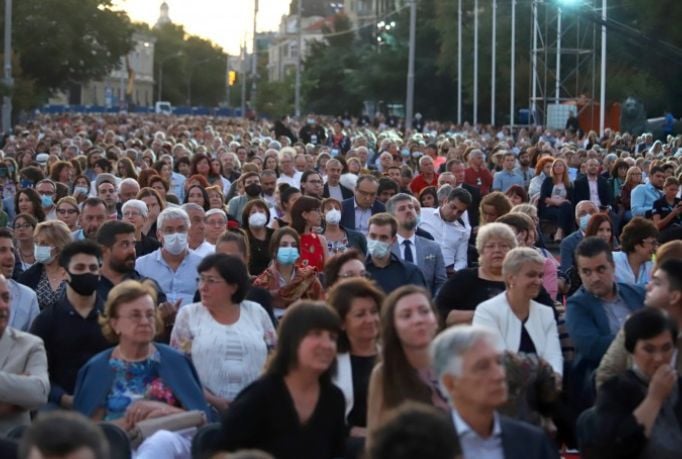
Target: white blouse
[(497, 315), (227, 357)]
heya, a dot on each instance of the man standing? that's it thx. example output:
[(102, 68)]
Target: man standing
[(415, 249), (93, 214), (386, 269), (507, 177), (467, 363), (446, 225), (583, 212), (312, 132), (177, 182), (48, 191), (459, 172), (356, 211), (23, 301), (333, 188), (70, 327), (24, 383), (173, 266), (596, 312), (477, 174), (268, 182), (592, 186), (427, 175), (196, 236), (644, 195), (252, 190), (524, 170), (107, 192), (311, 184)]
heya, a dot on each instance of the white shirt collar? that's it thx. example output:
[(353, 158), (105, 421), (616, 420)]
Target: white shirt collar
[(462, 427), (412, 239)]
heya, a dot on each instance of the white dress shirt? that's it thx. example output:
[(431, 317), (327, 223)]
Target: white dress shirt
[(453, 237), (294, 180), (413, 247)]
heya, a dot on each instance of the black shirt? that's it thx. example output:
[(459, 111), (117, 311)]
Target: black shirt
[(465, 290), (259, 253), (263, 416), (146, 245), (662, 208), (70, 341), (396, 274), (361, 368)]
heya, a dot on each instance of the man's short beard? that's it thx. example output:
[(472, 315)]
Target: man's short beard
[(410, 225)]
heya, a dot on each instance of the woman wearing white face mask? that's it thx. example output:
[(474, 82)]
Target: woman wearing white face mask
[(255, 218), (46, 277), (286, 280), (339, 239)]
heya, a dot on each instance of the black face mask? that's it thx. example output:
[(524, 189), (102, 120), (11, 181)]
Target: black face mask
[(253, 190), (84, 284)]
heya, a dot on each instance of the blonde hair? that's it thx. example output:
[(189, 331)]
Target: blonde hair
[(495, 231), (56, 231), (124, 293)]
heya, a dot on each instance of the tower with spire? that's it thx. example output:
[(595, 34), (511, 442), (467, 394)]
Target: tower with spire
[(164, 18)]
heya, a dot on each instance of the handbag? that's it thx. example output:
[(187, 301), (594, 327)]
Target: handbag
[(172, 422)]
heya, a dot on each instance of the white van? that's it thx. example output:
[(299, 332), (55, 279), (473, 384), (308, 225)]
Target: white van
[(163, 108)]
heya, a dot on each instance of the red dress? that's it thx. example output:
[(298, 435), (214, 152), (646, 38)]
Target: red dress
[(311, 251)]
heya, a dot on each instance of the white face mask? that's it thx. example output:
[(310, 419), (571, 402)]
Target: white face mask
[(258, 220), (43, 254), (175, 243), (333, 217)]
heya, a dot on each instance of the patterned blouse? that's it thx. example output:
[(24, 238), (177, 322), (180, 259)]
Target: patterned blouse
[(135, 381), (47, 296)]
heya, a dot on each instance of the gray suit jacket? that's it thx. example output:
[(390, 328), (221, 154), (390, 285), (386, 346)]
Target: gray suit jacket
[(23, 376), (430, 262), (23, 306)]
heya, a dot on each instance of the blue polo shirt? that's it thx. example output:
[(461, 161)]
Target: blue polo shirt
[(396, 274), (504, 180)]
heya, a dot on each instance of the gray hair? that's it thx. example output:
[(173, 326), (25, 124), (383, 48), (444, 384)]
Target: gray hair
[(212, 212), (394, 200), (172, 213), (448, 348), (495, 231), (516, 258), (128, 181), (136, 204), (525, 208), (443, 192), (192, 206), (583, 203)]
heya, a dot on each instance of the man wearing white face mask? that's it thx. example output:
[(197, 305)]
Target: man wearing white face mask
[(385, 268), (174, 265)]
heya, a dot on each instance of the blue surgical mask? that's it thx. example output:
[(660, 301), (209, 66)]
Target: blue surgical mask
[(377, 248), (584, 220), (46, 201), (287, 255), (405, 152)]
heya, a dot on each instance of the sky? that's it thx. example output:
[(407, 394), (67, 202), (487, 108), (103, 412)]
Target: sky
[(225, 22)]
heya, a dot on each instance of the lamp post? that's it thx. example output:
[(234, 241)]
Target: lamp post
[(409, 105), (512, 71), (602, 81), (459, 62), (161, 62), (475, 120), (7, 100), (299, 51)]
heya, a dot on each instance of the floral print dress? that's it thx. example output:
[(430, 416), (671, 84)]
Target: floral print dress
[(135, 381)]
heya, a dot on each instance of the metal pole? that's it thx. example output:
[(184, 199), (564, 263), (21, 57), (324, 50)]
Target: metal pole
[(7, 100), (534, 62), (297, 88), (254, 59), (158, 98), (475, 120), (557, 89), (602, 82), (459, 62), (512, 72), (244, 77), (227, 81), (492, 66), (409, 105)]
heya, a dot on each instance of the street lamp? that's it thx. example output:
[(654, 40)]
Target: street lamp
[(163, 61), (7, 99)]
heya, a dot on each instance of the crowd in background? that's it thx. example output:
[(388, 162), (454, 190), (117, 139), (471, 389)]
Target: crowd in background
[(338, 287)]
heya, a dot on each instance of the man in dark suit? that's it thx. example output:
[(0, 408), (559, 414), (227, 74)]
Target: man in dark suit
[(586, 186), (457, 168), (356, 211), (467, 363), (333, 188)]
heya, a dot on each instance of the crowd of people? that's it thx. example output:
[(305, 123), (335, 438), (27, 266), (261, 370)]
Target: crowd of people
[(337, 288)]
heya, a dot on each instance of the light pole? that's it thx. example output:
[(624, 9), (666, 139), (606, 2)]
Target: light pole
[(254, 59), (409, 105), (161, 62), (475, 120), (7, 99), (459, 62), (512, 71), (492, 66), (299, 38), (602, 80)]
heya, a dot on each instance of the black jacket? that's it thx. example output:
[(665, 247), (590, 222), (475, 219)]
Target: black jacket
[(345, 192), (581, 190)]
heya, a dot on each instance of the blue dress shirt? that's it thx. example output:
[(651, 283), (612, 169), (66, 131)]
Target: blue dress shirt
[(179, 284)]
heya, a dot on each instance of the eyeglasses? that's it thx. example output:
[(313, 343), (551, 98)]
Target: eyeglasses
[(66, 211), (210, 280), (137, 317), (23, 226)]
